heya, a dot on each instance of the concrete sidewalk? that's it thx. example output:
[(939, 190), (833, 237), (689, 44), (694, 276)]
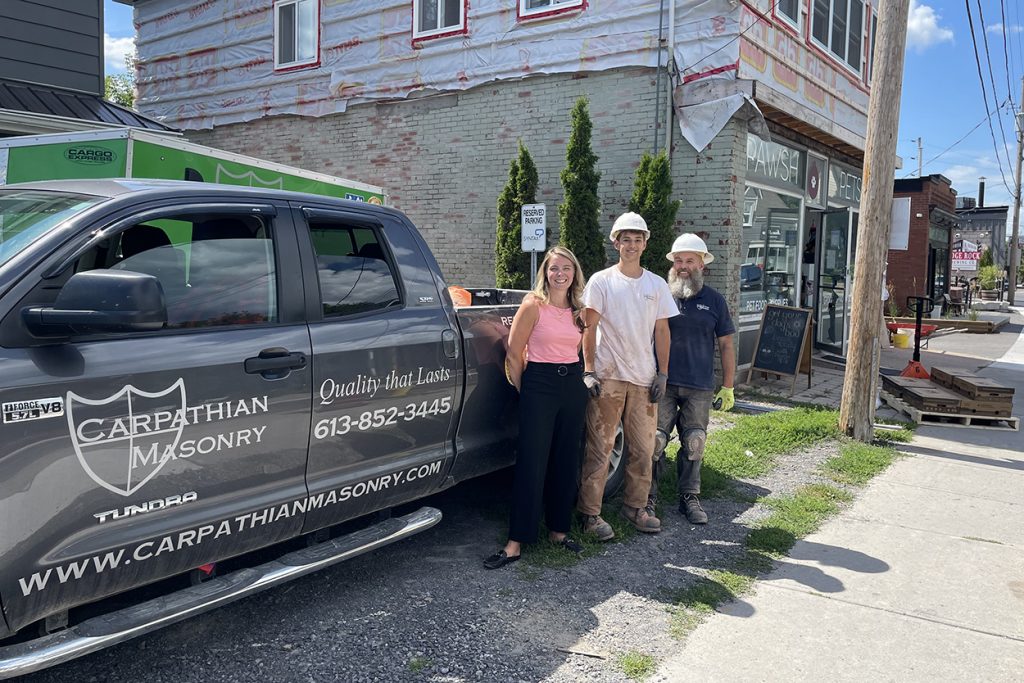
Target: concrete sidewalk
[(920, 579)]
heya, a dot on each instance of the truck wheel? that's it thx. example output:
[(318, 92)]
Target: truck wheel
[(616, 466)]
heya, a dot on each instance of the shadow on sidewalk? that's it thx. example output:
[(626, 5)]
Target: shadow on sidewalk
[(974, 459)]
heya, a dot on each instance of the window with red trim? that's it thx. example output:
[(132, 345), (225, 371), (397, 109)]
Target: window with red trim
[(789, 10), (296, 33), (437, 17), (531, 8), (838, 26)]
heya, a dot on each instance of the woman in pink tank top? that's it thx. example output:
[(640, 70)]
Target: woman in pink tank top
[(544, 365)]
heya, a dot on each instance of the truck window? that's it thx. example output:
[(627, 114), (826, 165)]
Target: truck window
[(217, 270), (355, 272)]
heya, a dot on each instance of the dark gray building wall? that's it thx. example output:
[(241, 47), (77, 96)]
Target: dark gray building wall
[(53, 42)]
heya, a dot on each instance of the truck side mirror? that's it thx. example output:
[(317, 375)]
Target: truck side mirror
[(101, 301)]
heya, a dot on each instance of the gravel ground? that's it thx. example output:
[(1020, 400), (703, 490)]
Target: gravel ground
[(425, 609)]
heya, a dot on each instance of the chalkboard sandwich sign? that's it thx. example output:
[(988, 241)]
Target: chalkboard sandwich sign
[(783, 343)]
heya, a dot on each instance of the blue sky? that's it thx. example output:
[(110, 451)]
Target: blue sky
[(942, 98)]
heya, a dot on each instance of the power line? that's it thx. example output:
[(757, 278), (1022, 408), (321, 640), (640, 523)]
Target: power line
[(992, 80), (964, 137), (1006, 54), (732, 40), (984, 97)]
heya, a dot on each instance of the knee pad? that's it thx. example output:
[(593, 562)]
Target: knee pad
[(660, 442), (693, 442)]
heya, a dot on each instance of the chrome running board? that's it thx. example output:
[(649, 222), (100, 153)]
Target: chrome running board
[(117, 627)]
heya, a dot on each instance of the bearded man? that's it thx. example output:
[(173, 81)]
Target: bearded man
[(703, 318)]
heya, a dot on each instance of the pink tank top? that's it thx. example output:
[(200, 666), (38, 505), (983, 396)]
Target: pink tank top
[(555, 337)]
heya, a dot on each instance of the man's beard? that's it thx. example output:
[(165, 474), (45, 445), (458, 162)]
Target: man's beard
[(685, 287)]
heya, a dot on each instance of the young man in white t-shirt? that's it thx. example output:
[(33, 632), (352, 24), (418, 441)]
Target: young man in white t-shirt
[(627, 310)]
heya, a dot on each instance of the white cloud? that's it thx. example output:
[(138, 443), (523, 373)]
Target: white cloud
[(923, 28), (998, 28), (114, 51)]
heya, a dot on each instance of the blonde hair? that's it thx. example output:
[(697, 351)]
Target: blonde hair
[(575, 293)]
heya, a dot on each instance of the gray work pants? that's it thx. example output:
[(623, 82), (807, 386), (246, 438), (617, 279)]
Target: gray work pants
[(685, 409)]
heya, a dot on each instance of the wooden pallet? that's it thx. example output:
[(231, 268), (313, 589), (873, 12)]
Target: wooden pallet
[(951, 419)]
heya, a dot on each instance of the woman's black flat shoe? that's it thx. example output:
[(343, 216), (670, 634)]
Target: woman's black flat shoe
[(499, 560), (570, 545)]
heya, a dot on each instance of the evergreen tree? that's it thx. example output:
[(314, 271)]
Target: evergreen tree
[(579, 220), (652, 192), (986, 258), (511, 263)]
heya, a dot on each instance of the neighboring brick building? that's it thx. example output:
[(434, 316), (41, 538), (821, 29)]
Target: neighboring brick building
[(429, 105), (923, 268)]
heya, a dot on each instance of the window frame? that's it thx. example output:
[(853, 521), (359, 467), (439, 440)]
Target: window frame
[(564, 7), (296, 64), (793, 23), (461, 28), (826, 49), (342, 221)]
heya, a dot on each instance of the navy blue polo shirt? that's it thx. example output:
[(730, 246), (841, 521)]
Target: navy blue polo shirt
[(702, 319)]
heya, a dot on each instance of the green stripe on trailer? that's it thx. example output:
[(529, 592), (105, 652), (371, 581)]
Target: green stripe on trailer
[(67, 161)]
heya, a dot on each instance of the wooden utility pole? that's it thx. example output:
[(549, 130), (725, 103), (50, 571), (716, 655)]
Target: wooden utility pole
[(857, 411), (920, 158), (1011, 292)]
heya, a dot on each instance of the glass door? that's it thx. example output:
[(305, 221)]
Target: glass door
[(833, 267)]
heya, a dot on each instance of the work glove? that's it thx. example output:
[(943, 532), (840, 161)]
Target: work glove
[(657, 391), (724, 399), (592, 383)]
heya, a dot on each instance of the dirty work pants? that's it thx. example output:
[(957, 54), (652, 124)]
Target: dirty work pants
[(552, 406), (685, 409), (630, 404)]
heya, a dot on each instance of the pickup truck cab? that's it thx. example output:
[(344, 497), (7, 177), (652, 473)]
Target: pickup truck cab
[(192, 372)]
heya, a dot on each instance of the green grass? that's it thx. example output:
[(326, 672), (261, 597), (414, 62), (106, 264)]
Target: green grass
[(694, 603), (636, 665), (858, 462), (418, 664), (765, 437), (794, 516)]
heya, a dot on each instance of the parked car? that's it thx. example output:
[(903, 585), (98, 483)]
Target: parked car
[(192, 372)]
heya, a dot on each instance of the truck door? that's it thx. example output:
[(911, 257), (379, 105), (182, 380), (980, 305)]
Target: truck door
[(384, 365), (159, 451)]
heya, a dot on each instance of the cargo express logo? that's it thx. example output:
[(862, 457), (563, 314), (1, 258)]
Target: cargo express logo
[(86, 154), (124, 440)]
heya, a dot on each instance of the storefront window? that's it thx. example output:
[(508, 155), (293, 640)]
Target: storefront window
[(771, 244)]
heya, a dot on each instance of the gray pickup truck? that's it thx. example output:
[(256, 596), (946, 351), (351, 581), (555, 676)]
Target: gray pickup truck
[(193, 372)]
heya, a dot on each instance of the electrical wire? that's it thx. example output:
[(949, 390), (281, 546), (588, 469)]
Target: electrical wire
[(964, 137), (1006, 55), (992, 80), (731, 40), (984, 98)]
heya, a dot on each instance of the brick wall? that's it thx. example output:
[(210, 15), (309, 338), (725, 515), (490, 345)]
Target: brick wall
[(908, 270), (444, 159)]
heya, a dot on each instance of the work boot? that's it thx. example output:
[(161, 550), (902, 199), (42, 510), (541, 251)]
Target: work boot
[(689, 505), (651, 503), (639, 518), (595, 526)]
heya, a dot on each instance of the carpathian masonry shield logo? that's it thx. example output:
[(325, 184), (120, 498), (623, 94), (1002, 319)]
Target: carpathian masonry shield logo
[(122, 440)]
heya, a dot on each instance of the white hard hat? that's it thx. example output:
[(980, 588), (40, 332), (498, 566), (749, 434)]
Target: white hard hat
[(629, 221), (690, 242)]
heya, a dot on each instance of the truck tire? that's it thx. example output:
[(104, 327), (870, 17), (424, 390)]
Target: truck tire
[(616, 466)]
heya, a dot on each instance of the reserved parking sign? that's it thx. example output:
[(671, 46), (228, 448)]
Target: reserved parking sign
[(534, 227)]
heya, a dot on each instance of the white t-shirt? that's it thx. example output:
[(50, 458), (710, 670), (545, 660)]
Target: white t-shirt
[(629, 307)]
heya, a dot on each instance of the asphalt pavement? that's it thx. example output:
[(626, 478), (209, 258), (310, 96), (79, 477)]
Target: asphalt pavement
[(920, 579)]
